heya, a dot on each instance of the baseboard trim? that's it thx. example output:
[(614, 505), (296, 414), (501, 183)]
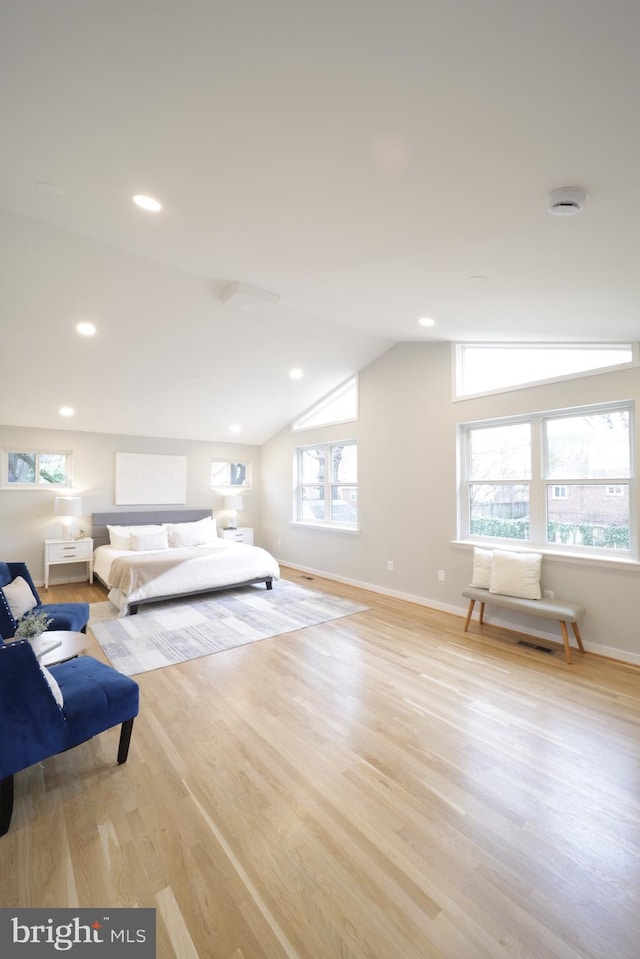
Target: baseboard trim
[(604, 652)]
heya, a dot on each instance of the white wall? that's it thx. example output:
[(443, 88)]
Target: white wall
[(27, 517), (406, 438)]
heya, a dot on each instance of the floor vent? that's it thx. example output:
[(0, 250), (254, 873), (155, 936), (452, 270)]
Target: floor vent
[(541, 649), (306, 577)]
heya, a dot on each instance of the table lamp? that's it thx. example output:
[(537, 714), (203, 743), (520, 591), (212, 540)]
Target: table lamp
[(67, 507)]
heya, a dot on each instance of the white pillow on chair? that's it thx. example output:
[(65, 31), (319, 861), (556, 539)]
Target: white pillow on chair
[(19, 596), (53, 686), (516, 574)]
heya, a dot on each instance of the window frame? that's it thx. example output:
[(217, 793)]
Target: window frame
[(540, 485), (328, 484), (230, 485), (301, 423), (8, 451), (460, 348)]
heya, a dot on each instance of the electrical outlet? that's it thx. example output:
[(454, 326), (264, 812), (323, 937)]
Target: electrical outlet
[(390, 565), (441, 576), (548, 594)]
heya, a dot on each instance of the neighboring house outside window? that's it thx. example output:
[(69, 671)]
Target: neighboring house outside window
[(35, 469), (548, 479), (327, 484)]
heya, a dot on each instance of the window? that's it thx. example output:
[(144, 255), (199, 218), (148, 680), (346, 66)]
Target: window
[(226, 475), (35, 469), (341, 406), (558, 480), (327, 484), (495, 367)]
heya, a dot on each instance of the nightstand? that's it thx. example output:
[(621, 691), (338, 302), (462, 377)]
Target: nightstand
[(58, 551), (243, 534)]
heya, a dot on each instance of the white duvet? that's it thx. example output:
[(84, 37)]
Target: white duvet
[(135, 575)]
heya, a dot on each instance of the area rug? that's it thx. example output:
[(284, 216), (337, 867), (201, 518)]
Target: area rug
[(174, 631)]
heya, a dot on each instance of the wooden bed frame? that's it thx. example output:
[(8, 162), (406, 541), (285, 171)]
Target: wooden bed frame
[(100, 534)]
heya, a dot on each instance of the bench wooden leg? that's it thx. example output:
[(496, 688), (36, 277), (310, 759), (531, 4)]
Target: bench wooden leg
[(576, 633), (472, 603), (481, 620), (565, 640)]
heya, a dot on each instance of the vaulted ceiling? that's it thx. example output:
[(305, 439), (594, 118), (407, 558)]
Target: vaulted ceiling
[(369, 162)]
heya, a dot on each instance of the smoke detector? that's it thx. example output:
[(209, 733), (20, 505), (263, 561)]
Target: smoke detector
[(566, 200)]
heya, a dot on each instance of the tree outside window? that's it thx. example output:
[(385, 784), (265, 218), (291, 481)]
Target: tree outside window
[(33, 468), (327, 491)]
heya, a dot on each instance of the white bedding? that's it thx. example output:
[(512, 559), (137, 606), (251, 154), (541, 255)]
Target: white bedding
[(137, 575)]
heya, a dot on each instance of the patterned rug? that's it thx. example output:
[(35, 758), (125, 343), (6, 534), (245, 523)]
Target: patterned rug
[(174, 631)]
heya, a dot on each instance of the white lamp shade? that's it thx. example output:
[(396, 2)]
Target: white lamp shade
[(68, 506), (228, 518)]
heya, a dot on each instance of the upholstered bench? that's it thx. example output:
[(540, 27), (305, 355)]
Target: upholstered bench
[(560, 610)]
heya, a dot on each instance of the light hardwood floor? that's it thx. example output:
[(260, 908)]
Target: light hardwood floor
[(381, 786)]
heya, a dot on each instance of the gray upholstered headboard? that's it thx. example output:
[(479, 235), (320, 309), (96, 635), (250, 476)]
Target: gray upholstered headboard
[(100, 521)]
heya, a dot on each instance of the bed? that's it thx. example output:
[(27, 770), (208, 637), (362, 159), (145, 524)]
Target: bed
[(148, 556)]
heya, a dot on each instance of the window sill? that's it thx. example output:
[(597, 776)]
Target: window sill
[(620, 562), (332, 528)]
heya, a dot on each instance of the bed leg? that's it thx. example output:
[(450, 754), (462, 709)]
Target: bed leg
[(269, 583), (133, 609)]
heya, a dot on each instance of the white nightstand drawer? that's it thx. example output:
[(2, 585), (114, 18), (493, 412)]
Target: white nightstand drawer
[(244, 534), (68, 551)]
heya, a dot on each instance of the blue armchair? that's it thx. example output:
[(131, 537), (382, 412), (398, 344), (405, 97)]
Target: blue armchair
[(33, 726), (72, 616)]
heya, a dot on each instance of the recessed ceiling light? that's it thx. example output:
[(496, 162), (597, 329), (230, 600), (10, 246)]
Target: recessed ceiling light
[(147, 203), (296, 374), (426, 321), (86, 329), (66, 411), (234, 428)]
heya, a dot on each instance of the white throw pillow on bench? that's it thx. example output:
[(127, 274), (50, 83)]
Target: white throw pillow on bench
[(482, 560), (516, 574)]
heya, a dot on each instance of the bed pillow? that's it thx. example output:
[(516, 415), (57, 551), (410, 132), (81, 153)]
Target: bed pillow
[(120, 536), (482, 560), (149, 540), (19, 596), (516, 574), (192, 534)]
